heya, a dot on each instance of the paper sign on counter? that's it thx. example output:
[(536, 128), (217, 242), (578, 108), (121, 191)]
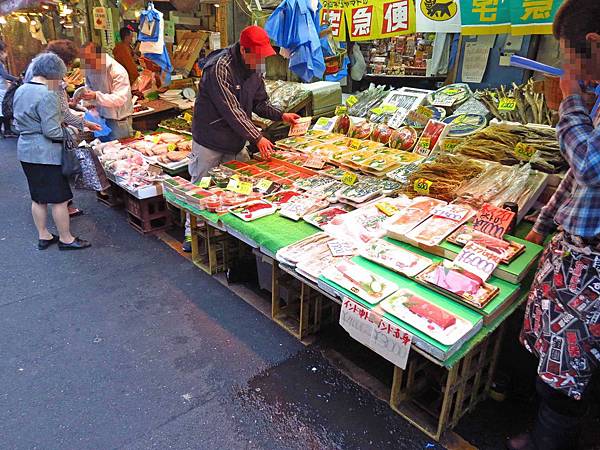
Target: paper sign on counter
[(300, 127), (341, 248), (264, 185), (232, 185), (493, 221), (349, 178), (205, 182), (314, 162), (244, 187), (477, 260), (326, 124), (376, 332)]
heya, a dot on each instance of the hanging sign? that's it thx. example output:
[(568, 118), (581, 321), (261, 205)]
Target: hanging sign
[(332, 13), (532, 16), (100, 18), (438, 16), (485, 16)]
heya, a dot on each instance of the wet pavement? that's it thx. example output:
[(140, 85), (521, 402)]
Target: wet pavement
[(129, 346)]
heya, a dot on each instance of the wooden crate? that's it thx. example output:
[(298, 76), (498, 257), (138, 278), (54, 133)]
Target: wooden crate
[(148, 215), (435, 398), (304, 311), (211, 248)]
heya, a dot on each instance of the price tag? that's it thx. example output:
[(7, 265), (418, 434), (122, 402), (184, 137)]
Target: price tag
[(524, 151), (423, 146), (493, 221), (425, 111), (444, 100), (171, 147), (418, 117), (477, 260), (341, 248), (449, 144), (138, 135), (387, 208), (452, 212), (156, 139), (300, 127), (351, 101), (264, 185), (325, 124), (507, 104), (235, 177), (378, 110), (389, 109), (355, 144), (349, 178), (232, 185), (341, 110), (205, 182), (422, 186), (314, 162), (244, 187), (187, 117)]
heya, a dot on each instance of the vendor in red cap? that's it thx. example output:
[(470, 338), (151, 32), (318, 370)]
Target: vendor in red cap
[(231, 89)]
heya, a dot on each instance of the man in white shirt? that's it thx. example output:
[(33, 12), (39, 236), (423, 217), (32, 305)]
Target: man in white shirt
[(107, 84)]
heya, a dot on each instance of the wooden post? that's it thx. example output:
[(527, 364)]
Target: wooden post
[(222, 23)]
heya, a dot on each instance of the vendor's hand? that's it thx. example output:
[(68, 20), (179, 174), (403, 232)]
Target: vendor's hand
[(92, 126), (265, 147), (569, 83), (89, 95), (535, 237), (290, 118)]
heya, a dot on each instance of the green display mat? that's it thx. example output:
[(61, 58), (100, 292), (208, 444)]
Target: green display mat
[(271, 232)]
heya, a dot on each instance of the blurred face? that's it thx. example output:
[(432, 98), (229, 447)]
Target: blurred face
[(583, 63), (53, 84), (91, 59), (254, 60)]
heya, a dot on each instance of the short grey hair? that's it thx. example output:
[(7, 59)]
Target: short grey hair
[(47, 65)]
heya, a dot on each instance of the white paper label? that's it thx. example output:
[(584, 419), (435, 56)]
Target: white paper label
[(341, 248)]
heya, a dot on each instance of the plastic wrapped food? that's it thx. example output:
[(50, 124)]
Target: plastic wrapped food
[(413, 214), (343, 124), (321, 218), (253, 210), (361, 130), (395, 258), (293, 253), (403, 138), (434, 230)]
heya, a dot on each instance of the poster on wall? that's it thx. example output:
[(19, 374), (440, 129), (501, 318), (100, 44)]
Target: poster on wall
[(485, 16), (438, 16), (100, 18), (532, 16)]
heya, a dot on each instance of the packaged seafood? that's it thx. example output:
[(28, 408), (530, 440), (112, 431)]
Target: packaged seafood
[(403, 138), (382, 133), (361, 130), (281, 197), (295, 252), (315, 183), (428, 112), (379, 164), (427, 317), (300, 205), (461, 125), (361, 192), (507, 250), (433, 132), (458, 284), (321, 218), (364, 284), (450, 95), (435, 229), (395, 258), (419, 209)]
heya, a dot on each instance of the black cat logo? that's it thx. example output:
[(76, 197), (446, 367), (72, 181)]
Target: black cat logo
[(439, 9)]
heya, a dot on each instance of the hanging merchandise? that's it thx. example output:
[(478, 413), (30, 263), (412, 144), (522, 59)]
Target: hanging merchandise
[(151, 35), (35, 28), (294, 26), (438, 16)]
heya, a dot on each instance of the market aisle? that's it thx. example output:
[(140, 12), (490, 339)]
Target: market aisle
[(129, 346)]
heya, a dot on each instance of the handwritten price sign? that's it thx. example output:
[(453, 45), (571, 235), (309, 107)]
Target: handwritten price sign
[(422, 186), (524, 151), (300, 127), (456, 213), (477, 260), (507, 104), (493, 221)]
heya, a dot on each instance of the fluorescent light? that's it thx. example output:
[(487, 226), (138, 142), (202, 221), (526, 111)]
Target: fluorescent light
[(216, 5), (22, 19)]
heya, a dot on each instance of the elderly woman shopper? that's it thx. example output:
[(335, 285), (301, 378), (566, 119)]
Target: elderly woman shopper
[(38, 119)]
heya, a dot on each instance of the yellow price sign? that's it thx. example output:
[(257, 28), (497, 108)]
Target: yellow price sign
[(451, 91), (425, 111), (387, 208), (205, 182), (422, 186), (450, 144), (425, 142), (171, 147), (341, 110), (264, 185), (525, 151), (232, 185), (235, 177), (349, 178), (187, 117), (351, 101), (138, 134), (156, 139), (244, 187), (507, 104), (378, 110), (355, 144), (390, 109)]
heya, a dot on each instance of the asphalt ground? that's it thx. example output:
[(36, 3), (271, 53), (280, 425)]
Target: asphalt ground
[(128, 345)]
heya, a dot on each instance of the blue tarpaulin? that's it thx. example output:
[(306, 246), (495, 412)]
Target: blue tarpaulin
[(294, 25)]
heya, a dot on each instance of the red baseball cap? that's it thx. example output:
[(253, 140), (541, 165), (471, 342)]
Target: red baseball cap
[(257, 40)]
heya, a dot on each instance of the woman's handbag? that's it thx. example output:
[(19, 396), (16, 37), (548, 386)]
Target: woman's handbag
[(69, 160)]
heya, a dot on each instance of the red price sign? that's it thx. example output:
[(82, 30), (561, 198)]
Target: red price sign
[(493, 221)]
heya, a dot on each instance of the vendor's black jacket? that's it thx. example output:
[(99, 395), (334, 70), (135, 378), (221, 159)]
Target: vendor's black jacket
[(229, 93)]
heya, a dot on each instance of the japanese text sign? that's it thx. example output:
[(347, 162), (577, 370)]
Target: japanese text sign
[(532, 16), (477, 260), (493, 221), (300, 127), (376, 332), (485, 16)]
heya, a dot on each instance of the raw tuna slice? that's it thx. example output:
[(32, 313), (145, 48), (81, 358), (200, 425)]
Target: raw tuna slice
[(431, 312)]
